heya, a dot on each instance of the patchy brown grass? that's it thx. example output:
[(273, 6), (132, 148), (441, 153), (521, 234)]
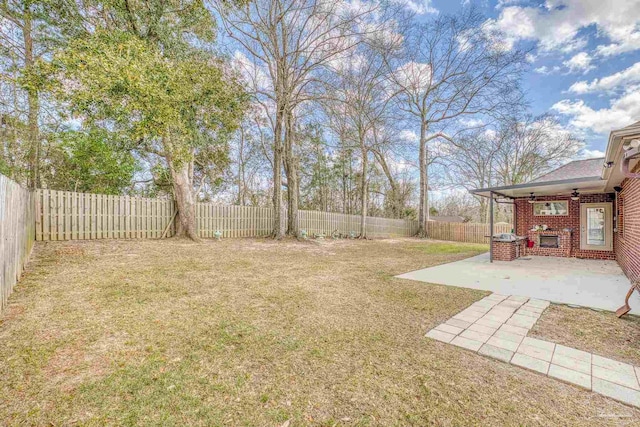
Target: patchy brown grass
[(254, 332), (599, 332)]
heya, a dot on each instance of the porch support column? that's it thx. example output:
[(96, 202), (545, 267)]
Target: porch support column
[(491, 226)]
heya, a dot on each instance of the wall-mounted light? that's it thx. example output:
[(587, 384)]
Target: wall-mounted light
[(575, 195), (532, 198)]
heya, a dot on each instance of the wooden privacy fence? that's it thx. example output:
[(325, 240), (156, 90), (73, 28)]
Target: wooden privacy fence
[(464, 232), (250, 221), (17, 219), (317, 222), (65, 215)]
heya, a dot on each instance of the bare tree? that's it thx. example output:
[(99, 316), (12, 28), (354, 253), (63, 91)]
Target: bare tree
[(453, 69), (291, 40), (471, 163), (512, 151), (533, 146), (362, 92)]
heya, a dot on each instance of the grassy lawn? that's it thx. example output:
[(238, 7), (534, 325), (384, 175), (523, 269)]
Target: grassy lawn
[(597, 332), (257, 333)]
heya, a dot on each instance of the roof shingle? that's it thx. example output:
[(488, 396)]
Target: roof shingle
[(576, 169)]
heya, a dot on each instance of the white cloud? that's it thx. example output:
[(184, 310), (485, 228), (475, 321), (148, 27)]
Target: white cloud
[(556, 24), (503, 3), (471, 122), (408, 135), (418, 7), (587, 153), (251, 72), (414, 75), (621, 79), (621, 112), (546, 70), (580, 62), (398, 165)]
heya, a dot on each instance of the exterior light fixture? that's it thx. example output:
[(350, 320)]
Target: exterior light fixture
[(532, 198), (575, 195)]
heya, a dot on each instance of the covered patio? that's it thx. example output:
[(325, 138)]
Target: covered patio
[(598, 284)]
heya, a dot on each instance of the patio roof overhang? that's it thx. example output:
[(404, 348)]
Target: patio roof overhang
[(614, 154), (611, 177), (594, 184)]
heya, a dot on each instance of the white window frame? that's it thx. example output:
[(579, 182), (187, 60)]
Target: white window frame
[(566, 202)]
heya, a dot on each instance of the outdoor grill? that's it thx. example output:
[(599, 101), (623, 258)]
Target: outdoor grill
[(506, 237)]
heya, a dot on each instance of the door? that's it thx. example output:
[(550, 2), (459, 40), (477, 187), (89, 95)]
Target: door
[(596, 225)]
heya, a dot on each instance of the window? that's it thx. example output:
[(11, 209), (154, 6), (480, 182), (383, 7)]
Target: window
[(554, 208)]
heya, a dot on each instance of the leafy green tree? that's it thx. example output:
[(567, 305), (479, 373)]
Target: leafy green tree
[(181, 105), (89, 161)]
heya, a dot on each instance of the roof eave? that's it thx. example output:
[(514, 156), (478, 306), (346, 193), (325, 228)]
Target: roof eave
[(536, 185), (614, 146)]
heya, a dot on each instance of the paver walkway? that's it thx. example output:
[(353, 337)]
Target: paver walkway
[(497, 326)]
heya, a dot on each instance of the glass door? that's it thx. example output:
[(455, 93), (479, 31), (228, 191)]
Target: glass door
[(596, 226)]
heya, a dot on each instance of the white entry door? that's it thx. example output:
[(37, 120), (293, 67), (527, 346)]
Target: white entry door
[(596, 226)]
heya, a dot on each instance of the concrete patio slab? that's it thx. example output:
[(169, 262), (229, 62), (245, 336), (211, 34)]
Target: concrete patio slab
[(440, 336), (589, 283), (617, 392), (496, 352), (467, 343), (570, 376), (528, 362), (449, 329), (571, 363)]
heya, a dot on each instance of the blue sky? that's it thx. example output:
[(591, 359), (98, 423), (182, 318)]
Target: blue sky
[(585, 63)]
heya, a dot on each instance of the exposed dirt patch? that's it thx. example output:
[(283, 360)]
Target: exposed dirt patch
[(255, 332)]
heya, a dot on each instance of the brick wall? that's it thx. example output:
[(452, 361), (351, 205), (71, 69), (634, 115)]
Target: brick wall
[(525, 220), (565, 243), (508, 251), (627, 239)]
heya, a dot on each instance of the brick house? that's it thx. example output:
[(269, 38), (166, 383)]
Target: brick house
[(584, 209)]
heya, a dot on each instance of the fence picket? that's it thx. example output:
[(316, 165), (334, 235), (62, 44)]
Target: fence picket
[(18, 223)]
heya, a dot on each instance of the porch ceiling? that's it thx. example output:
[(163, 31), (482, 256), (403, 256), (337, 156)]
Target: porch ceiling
[(550, 188), (589, 283)]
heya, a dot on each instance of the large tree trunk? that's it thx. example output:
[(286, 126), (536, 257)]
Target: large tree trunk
[(185, 199), (277, 175), (345, 208), (33, 106), (242, 183), (394, 195), (291, 168), (364, 197), (423, 211)]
